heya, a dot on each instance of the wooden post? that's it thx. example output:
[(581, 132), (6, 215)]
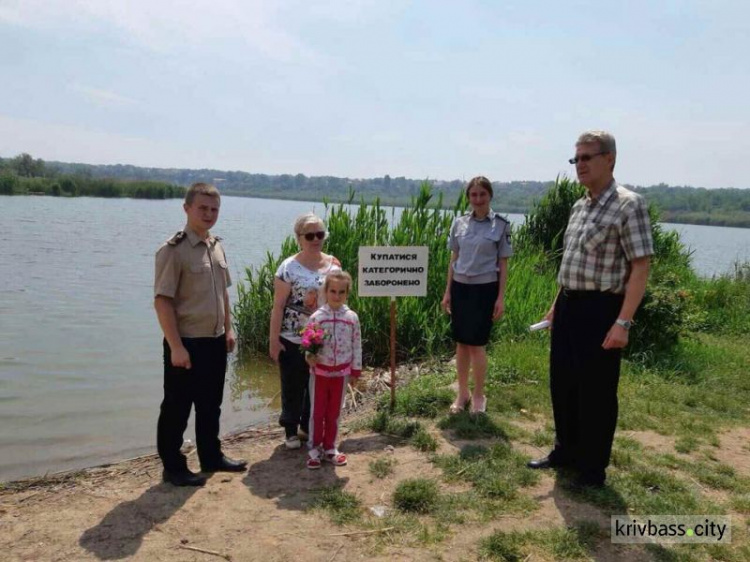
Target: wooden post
[(393, 353)]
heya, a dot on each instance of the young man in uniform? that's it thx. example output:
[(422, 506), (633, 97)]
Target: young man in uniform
[(192, 304), (602, 280)]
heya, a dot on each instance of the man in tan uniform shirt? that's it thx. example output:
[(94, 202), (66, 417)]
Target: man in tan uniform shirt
[(192, 305)]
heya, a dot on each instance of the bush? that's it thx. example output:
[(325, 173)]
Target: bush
[(722, 304), (8, 183), (417, 495), (664, 311), (544, 227)]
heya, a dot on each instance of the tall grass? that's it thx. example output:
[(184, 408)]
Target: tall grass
[(423, 329), (675, 300)]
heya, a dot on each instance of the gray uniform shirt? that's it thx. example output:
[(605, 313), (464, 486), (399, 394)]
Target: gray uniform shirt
[(480, 244)]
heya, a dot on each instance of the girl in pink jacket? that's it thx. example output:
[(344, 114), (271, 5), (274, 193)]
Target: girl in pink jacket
[(339, 358)]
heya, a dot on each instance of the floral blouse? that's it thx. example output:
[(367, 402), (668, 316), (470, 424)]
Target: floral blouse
[(305, 297)]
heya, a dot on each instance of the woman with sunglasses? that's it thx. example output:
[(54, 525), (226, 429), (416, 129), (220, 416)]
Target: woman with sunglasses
[(475, 293), (296, 296)]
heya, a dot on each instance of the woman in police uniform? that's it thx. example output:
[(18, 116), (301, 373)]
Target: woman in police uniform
[(475, 292)]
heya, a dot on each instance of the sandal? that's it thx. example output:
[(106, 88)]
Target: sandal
[(479, 406), (313, 463), (459, 406), (336, 459)]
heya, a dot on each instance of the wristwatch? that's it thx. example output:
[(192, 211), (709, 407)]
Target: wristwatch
[(624, 323)]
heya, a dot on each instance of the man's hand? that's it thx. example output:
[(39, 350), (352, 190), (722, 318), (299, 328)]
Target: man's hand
[(231, 340), (550, 316), (499, 310), (617, 338), (446, 302), (274, 348), (181, 358)]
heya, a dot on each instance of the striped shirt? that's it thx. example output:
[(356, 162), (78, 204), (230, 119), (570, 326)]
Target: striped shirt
[(604, 235)]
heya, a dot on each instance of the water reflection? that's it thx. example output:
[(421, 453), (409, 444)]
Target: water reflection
[(255, 378)]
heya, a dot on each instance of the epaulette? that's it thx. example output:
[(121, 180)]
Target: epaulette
[(501, 217), (177, 238)]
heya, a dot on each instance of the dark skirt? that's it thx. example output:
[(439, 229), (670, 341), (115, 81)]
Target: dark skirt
[(471, 312)]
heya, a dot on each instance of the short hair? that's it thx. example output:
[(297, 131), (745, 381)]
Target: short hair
[(338, 275), (201, 188), (605, 140), (308, 218), (480, 181)]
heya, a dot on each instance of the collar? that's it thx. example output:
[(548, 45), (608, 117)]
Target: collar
[(490, 216), (327, 308), (194, 239), (604, 196)]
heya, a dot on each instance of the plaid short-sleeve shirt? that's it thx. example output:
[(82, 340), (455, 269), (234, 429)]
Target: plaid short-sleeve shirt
[(603, 236)]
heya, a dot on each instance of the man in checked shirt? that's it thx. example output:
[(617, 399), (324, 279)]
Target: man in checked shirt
[(602, 279)]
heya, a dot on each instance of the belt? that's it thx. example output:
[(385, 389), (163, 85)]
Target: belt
[(575, 295)]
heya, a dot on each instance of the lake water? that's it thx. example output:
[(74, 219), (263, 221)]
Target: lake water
[(80, 347)]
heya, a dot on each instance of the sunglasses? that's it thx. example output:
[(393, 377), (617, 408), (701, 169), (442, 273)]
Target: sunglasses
[(586, 157), (310, 236)]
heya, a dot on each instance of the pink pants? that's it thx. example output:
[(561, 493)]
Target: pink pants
[(326, 400)]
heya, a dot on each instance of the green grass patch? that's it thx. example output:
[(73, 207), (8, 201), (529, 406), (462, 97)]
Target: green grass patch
[(423, 441), (495, 472), (382, 422), (573, 543), (417, 495), (474, 426), (425, 397), (382, 467), (686, 444), (341, 506)]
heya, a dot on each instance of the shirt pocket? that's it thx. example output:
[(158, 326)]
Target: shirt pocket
[(200, 268), (492, 235), (594, 235)]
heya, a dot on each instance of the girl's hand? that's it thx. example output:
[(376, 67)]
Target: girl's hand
[(446, 302), (498, 310), (311, 359)]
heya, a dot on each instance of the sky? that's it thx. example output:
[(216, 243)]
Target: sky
[(364, 88)]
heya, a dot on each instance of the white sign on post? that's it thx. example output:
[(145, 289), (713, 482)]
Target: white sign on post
[(392, 271)]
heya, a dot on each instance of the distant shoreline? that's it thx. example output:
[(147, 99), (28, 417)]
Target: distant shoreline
[(737, 220)]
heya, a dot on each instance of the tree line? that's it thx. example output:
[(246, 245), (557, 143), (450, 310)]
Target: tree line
[(24, 175), (695, 205)]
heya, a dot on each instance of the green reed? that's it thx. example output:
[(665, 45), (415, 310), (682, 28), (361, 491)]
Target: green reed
[(423, 329)]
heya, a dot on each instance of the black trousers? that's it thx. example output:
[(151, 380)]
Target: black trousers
[(584, 379), (202, 385), (295, 396)]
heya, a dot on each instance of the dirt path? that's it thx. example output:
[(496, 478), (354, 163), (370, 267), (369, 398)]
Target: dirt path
[(123, 512)]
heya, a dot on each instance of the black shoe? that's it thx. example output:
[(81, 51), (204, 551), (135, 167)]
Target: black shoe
[(183, 478), (226, 465), (545, 462)]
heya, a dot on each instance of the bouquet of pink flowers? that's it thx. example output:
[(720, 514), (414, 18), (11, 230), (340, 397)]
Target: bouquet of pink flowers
[(313, 338)]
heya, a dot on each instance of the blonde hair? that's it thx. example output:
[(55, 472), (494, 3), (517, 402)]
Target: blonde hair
[(338, 275), (308, 218), (201, 188)]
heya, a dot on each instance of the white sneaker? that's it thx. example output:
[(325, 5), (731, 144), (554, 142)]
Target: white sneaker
[(293, 443)]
